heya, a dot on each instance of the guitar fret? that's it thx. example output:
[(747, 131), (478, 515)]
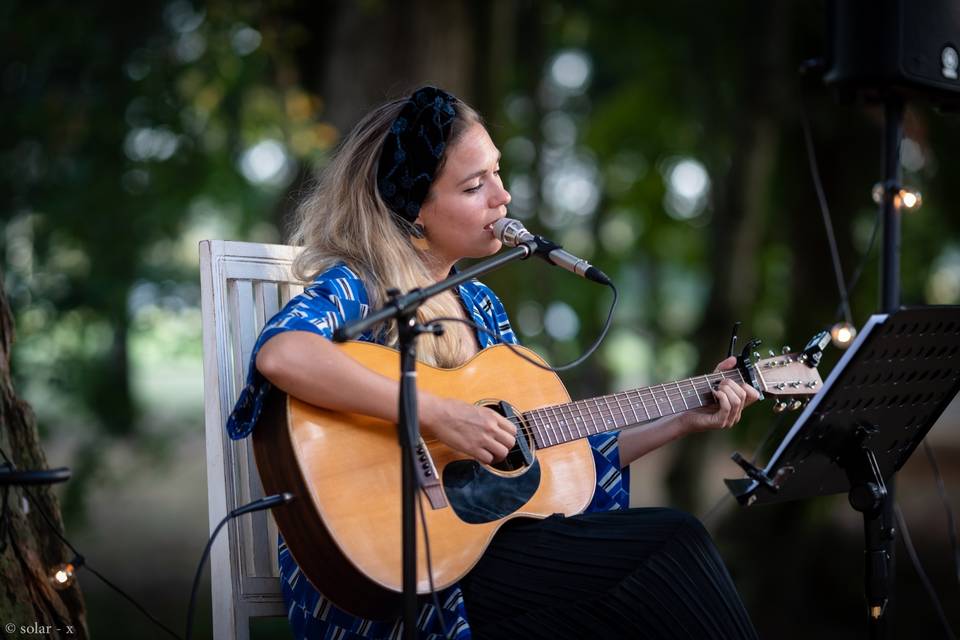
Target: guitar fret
[(606, 420), (633, 407), (574, 417), (550, 415), (705, 398), (561, 412), (656, 402), (562, 423), (643, 404), (626, 420), (577, 419), (537, 423), (602, 423), (581, 419), (558, 425), (550, 418), (547, 429), (565, 414), (591, 416), (586, 419), (672, 409)]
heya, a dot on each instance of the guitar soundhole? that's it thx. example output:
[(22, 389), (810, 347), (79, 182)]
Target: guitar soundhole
[(522, 452)]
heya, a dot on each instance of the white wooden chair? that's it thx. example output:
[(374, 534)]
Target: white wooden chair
[(242, 285)]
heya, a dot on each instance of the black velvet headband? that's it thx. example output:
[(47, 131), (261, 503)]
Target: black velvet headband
[(412, 150)]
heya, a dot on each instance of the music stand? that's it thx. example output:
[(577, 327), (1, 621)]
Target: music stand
[(874, 409)]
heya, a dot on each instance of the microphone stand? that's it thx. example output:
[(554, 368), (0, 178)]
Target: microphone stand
[(878, 516), (403, 307)]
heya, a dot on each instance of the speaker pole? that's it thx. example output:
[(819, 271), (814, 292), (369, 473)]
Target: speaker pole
[(890, 205), (880, 535)]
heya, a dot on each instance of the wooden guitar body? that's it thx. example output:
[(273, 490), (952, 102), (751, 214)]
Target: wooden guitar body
[(344, 528)]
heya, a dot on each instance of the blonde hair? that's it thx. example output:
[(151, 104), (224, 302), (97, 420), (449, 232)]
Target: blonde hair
[(344, 219)]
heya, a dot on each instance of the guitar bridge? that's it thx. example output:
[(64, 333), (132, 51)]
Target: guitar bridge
[(427, 477)]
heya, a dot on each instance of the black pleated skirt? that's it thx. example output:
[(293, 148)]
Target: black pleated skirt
[(639, 573)]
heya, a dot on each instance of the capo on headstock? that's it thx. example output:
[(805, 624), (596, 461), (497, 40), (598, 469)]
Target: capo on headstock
[(746, 366), (733, 338)]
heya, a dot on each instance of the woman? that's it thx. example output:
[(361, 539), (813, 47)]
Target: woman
[(414, 188)]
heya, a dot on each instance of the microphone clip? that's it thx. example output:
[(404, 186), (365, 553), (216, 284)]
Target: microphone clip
[(542, 247)]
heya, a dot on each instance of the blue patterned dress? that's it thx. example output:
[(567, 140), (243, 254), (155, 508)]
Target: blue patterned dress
[(335, 297)]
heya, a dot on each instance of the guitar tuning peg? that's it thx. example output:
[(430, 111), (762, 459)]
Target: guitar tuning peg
[(772, 354), (786, 349), (756, 355), (779, 407), (796, 404)]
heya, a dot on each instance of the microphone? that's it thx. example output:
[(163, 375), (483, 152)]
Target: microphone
[(512, 233)]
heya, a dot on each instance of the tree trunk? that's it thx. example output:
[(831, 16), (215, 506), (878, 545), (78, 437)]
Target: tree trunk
[(740, 218), (359, 55), (29, 548)]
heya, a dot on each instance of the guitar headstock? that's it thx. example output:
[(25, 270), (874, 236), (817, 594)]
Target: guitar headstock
[(788, 378)]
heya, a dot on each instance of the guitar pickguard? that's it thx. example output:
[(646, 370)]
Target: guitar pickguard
[(478, 495)]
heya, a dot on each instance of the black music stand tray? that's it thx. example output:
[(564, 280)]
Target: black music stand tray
[(874, 409)]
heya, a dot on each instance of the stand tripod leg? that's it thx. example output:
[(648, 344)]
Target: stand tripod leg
[(878, 539), (870, 496)]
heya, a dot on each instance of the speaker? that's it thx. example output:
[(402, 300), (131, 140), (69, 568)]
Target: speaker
[(911, 47)]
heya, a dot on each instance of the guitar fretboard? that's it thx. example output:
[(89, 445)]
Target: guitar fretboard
[(562, 423)]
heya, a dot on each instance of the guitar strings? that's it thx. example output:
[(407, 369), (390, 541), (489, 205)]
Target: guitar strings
[(528, 427), (605, 409)]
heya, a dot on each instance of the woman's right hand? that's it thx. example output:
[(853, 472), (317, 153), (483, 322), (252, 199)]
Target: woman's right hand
[(479, 432)]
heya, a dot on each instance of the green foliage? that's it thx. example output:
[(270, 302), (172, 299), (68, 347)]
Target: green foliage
[(677, 165), (126, 142)]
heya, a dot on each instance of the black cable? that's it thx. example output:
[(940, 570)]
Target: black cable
[(851, 285), (196, 576), (546, 367), (426, 539), (261, 504), (56, 531), (951, 521), (825, 211), (915, 559), (130, 599), (426, 544)]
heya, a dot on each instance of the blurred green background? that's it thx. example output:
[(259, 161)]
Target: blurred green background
[(662, 141)]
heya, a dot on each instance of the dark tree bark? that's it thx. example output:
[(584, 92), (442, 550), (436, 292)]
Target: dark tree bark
[(28, 546), (358, 55), (741, 213)]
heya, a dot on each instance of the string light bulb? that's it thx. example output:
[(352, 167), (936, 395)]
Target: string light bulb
[(906, 197), (842, 334), (63, 575), (910, 199)]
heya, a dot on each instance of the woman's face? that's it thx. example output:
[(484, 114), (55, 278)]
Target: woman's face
[(465, 200)]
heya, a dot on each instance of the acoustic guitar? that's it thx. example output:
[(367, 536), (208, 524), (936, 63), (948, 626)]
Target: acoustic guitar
[(344, 530)]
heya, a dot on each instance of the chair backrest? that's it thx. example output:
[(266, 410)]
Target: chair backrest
[(242, 284)]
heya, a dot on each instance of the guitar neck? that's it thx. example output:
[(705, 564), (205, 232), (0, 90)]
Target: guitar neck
[(557, 424)]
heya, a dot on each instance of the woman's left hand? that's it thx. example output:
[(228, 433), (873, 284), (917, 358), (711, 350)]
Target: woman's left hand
[(731, 398)]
